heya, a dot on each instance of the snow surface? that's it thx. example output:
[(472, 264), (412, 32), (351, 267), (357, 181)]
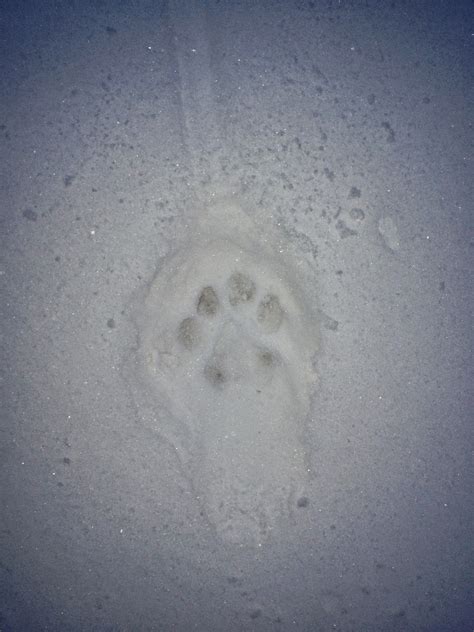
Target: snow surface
[(236, 316)]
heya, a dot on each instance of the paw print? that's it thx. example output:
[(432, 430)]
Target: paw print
[(228, 332), (232, 326)]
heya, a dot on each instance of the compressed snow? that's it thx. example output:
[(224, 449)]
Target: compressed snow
[(227, 336), (389, 231)]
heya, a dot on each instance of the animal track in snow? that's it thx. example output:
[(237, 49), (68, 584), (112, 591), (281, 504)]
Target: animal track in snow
[(228, 332), (226, 362)]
